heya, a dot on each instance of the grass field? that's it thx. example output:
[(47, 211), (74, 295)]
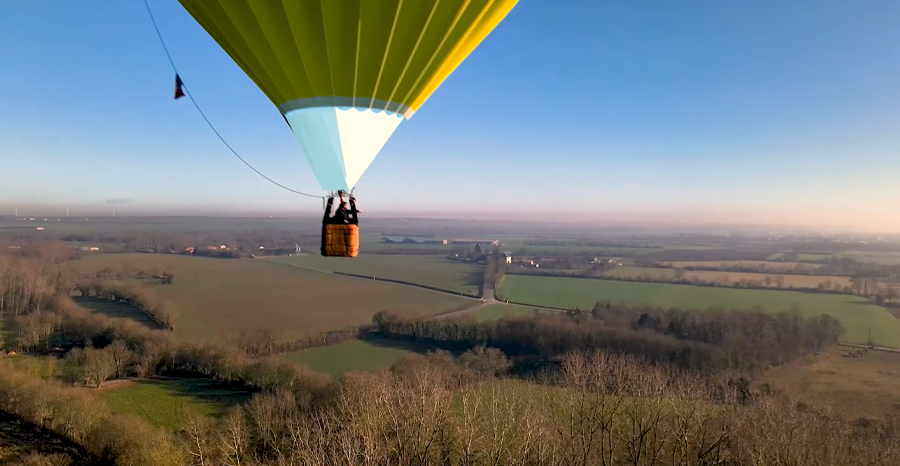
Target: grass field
[(864, 386), (218, 296), (857, 314), (803, 257), (425, 270), (770, 265), (659, 273), (348, 356), (885, 258), (881, 258), (167, 402)]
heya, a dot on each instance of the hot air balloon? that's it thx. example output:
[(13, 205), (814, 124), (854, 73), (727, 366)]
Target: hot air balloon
[(346, 73)]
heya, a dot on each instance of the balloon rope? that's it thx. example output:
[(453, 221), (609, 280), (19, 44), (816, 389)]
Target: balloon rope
[(186, 91)]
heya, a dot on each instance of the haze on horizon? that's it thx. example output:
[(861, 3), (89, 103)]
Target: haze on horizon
[(670, 112)]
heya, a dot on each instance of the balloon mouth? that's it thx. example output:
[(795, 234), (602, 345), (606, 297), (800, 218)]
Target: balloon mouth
[(366, 104)]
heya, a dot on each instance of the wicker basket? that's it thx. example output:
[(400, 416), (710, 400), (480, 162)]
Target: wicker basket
[(340, 240)]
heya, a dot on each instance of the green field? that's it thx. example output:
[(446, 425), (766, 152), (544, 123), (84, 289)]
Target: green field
[(167, 402), (432, 271), (881, 258), (220, 296), (884, 258), (668, 274), (348, 356), (857, 314)]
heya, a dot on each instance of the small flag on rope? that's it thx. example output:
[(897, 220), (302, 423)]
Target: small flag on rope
[(179, 87)]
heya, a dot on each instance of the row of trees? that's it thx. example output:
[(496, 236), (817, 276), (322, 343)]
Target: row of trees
[(129, 272), (25, 286), (830, 266), (87, 420), (597, 410), (742, 341), (142, 298)]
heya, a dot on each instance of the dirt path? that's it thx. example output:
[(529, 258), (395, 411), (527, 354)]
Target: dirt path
[(113, 385)]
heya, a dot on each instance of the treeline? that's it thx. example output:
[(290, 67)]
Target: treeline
[(217, 253), (25, 285), (143, 299), (129, 272), (101, 349), (87, 420), (831, 266), (591, 243), (709, 254), (436, 410), (767, 282), (268, 343), (743, 341)]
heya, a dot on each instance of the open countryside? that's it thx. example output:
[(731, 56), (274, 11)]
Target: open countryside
[(620, 233), (761, 279), (218, 297), (433, 271), (772, 265), (857, 314), (350, 356), (169, 402)]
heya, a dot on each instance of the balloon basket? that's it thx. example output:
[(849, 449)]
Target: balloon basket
[(340, 240)]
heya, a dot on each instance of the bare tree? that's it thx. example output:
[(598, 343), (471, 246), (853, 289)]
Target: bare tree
[(233, 437), (35, 329), (98, 366), (196, 432), (121, 357)]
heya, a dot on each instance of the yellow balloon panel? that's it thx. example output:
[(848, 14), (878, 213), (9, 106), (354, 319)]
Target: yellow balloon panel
[(379, 54)]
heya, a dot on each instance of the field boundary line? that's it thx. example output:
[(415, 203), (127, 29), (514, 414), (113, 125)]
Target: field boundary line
[(389, 280)]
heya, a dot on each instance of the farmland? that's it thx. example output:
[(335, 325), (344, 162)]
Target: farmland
[(167, 402), (116, 310), (348, 356), (431, 271), (866, 385), (660, 273), (221, 296), (770, 265), (857, 314)]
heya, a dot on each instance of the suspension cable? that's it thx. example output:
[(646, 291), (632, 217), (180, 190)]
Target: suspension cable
[(188, 93)]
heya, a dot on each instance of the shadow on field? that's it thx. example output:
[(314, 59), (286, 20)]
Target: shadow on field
[(19, 438), (205, 390), (116, 310), (411, 345), (475, 278)]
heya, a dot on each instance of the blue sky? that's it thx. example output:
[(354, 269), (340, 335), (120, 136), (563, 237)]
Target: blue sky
[(765, 108)]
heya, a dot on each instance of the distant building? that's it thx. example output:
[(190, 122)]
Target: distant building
[(189, 250), (508, 256)]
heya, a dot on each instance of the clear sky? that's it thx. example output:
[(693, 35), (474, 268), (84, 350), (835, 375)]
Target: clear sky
[(737, 110)]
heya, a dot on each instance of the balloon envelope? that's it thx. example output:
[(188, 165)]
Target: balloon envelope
[(346, 73)]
